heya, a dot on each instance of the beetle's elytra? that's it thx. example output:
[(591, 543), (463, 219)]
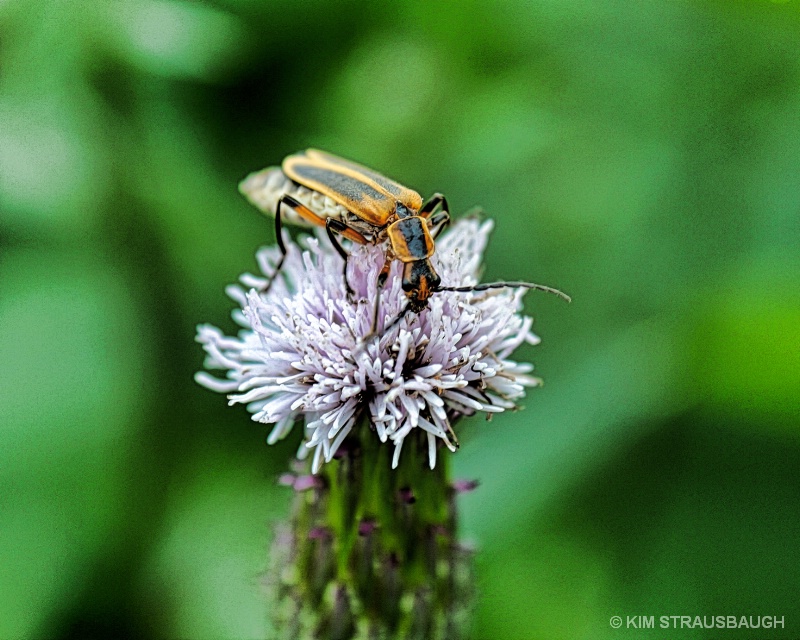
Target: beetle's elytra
[(314, 188)]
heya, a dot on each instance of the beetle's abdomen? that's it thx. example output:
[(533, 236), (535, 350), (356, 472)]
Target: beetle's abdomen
[(265, 187), (411, 239)]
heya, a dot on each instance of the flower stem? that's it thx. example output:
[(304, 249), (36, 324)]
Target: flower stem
[(372, 552)]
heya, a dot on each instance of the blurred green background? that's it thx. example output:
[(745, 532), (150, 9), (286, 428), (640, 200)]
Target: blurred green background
[(643, 156)]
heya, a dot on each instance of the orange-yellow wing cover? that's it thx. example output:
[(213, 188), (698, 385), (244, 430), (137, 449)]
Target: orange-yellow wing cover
[(367, 194)]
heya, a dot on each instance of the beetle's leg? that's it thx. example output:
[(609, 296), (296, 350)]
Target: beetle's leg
[(279, 237), (374, 334), (317, 220), (329, 228), (334, 226), (398, 318), (312, 218), (437, 223), (330, 224), (387, 265), (435, 200)]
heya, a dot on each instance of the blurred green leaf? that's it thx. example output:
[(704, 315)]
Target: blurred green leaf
[(73, 373), (172, 38), (206, 571)]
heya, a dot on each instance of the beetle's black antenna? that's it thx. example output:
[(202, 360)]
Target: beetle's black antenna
[(505, 285)]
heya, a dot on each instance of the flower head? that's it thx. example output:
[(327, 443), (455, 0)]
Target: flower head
[(308, 352)]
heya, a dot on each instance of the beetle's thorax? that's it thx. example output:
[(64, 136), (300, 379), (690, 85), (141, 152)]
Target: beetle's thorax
[(411, 242), (410, 239)]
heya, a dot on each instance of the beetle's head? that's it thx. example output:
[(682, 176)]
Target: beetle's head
[(420, 280), (402, 211)]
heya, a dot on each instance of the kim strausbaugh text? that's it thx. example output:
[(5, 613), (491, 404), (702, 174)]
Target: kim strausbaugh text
[(698, 622)]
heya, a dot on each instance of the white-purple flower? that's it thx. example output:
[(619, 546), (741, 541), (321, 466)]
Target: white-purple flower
[(304, 352)]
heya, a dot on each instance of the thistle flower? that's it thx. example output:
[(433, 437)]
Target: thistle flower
[(308, 352), (370, 552)]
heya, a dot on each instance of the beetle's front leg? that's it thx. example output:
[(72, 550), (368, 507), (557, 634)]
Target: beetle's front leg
[(434, 201), (382, 276), (387, 265), (437, 222)]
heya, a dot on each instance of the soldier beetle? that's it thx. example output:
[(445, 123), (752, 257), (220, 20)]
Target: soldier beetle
[(315, 188)]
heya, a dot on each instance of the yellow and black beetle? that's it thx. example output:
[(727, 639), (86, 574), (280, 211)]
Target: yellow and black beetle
[(350, 200)]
